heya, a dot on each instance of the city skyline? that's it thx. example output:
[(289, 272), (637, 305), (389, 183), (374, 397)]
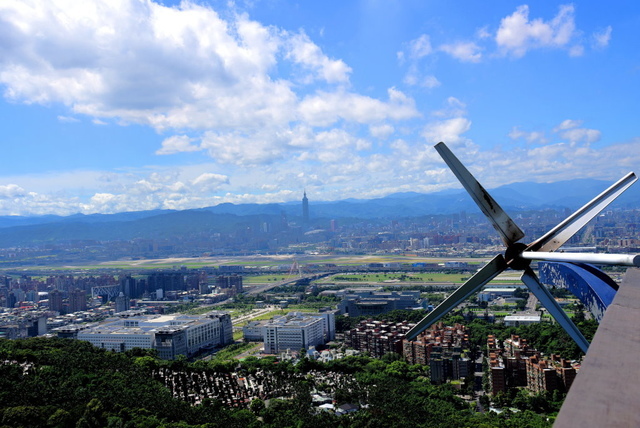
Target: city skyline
[(140, 105)]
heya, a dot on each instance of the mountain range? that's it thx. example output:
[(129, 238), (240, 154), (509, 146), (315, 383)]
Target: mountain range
[(516, 197)]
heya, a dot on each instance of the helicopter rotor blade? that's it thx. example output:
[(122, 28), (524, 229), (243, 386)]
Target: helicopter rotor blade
[(556, 237), (473, 284), (544, 296), (506, 227)]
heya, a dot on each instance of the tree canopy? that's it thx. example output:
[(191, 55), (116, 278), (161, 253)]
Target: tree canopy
[(61, 383)]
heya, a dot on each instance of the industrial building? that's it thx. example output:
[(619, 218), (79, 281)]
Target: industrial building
[(170, 335), (370, 303)]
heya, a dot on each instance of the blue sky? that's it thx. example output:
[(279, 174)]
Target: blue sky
[(129, 105)]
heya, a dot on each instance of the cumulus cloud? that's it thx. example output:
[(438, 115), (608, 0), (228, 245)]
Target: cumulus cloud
[(347, 172), (192, 68), (570, 130), (586, 135), (273, 111), (177, 144), (453, 108), (415, 78), (420, 47), (306, 53), (601, 39), (11, 191), (225, 84), (449, 130), (567, 124), (463, 51), (326, 108), (381, 131), (429, 82), (530, 137), (210, 181), (518, 34)]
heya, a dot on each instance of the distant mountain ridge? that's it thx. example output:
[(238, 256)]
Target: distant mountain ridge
[(225, 217)]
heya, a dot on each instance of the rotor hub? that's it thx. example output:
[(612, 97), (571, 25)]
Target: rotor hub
[(512, 256)]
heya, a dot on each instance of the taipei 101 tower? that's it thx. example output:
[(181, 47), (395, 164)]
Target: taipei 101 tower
[(305, 209)]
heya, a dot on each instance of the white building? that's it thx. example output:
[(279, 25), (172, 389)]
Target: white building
[(254, 331), (518, 320), (169, 334), (293, 331), (490, 293)]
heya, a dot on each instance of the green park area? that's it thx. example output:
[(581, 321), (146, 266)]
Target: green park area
[(405, 278), (266, 279)]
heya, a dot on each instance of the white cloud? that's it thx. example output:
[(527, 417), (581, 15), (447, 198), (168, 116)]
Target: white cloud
[(381, 131), (68, 119), (576, 51), (570, 130), (517, 34), (530, 137), (567, 124), (253, 94), (237, 148), (210, 181), (450, 130), (602, 38), (430, 82), (11, 191), (420, 47), (345, 172), (581, 134), (413, 78), (270, 107), (192, 68), (483, 33), (309, 55), (453, 108), (177, 144), (463, 51), (324, 108)]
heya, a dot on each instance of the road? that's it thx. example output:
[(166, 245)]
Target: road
[(266, 287), (253, 314)]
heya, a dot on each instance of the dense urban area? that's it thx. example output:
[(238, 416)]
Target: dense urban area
[(288, 325), (198, 234)]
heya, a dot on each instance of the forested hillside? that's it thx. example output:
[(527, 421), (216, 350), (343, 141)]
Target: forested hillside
[(66, 383)]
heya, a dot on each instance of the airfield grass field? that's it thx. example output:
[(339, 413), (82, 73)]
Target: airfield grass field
[(272, 261), (259, 261)]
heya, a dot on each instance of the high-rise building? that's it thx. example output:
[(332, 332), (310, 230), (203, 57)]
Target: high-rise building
[(77, 300), (229, 284), (305, 208), (55, 300), (12, 300), (122, 303), (167, 281), (129, 286)]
